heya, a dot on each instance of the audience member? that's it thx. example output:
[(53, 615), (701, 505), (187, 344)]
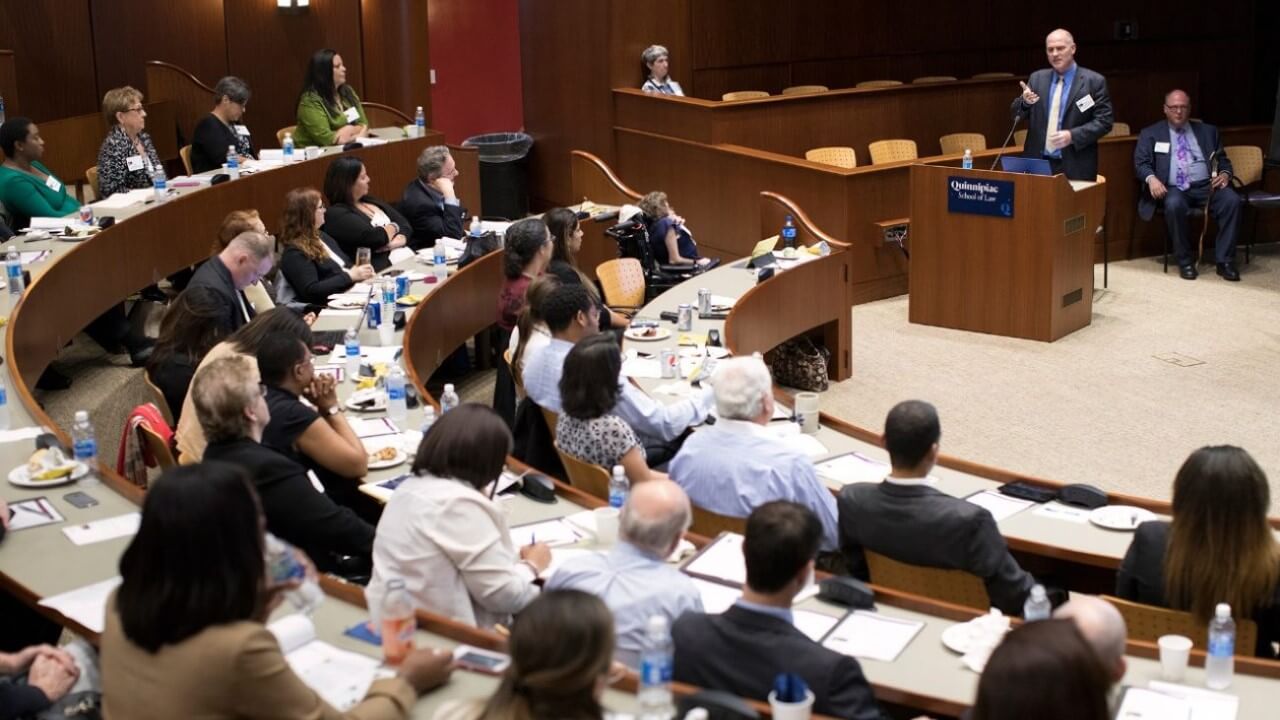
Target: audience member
[(185, 632), (1043, 670), (223, 128), (657, 63), (736, 465), (526, 254), (566, 240), (191, 326), (562, 679), (446, 537), (430, 201), (313, 264), (231, 403), (669, 238), (1175, 169), (329, 111), (127, 158), (245, 260), (50, 673), (633, 578), (1218, 548), (530, 334), (906, 519), (355, 218), (27, 188), (1102, 626), (742, 650), (235, 223)]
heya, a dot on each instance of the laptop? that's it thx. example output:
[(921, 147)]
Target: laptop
[(1025, 165)]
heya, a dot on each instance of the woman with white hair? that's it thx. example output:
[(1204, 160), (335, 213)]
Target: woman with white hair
[(658, 63)]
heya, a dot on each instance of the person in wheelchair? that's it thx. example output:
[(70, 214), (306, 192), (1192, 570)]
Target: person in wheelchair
[(670, 240)]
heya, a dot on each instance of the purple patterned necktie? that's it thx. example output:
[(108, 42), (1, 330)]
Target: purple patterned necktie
[(1183, 158)]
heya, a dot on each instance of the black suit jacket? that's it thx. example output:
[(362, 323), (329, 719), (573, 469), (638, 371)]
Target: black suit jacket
[(1141, 579), (215, 276), (352, 229), (919, 525), (313, 281), (1080, 158), (1146, 161), (741, 651), (430, 217)]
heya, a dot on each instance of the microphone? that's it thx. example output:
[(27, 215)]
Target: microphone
[(1016, 119)]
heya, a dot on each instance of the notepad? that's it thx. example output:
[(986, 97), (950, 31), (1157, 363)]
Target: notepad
[(341, 677), (814, 624), (33, 512), (852, 468), (721, 560), (104, 529), (551, 532), (366, 428), (872, 636), (86, 605), (1000, 506)]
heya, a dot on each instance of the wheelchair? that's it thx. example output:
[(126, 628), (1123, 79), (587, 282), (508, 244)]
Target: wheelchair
[(632, 237)]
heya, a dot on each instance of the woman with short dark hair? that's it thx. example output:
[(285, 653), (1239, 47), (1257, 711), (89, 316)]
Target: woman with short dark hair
[(587, 428), (27, 188), (329, 111), (185, 633), (445, 536), (1044, 670), (189, 330), (356, 219), (223, 128)]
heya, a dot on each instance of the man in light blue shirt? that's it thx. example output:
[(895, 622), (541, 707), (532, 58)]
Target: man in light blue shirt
[(736, 465), (634, 579)]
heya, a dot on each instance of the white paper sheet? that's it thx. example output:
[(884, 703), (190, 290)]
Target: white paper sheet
[(1058, 511), (716, 598), (20, 434), (399, 255), (852, 468), (124, 199), (1000, 506), (86, 605), (1205, 704), (552, 532), (34, 256), (642, 368), (722, 560), (872, 636), (813, 624), (560, 556), (1143, 704), (51, 223), (33, 512), (339, 676), (104, 529), (373, 427)]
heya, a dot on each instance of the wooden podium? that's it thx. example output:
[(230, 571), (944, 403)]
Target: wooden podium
[(1026, 271)]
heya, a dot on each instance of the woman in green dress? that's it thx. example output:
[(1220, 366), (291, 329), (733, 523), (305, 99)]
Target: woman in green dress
[(27, 188), (329, 111)]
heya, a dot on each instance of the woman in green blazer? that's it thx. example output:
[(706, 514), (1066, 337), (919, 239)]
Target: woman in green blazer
[(27, 188), (329, 112)]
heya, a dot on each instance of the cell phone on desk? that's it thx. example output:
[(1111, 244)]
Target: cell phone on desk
[(80, 500), (481, 661)]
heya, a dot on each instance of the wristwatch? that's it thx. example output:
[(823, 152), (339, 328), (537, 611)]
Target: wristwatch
[(334, 410)]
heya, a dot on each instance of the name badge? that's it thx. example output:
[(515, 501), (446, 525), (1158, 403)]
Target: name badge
[(242, 130), (52, 183), (133, 162), (352, 114), (1084, 103), (1162, 147)]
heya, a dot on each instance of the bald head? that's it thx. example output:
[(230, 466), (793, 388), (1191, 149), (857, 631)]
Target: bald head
[(656, 514), (1060, 48), (1102, 625)]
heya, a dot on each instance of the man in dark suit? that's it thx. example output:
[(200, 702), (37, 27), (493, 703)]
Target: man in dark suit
[(907, 520), (246, 259), (1069, 110), (742, 650), (430, 202), (1172, 160)]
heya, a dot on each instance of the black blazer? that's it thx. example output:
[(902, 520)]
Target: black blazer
[(352, 229), (1141, 579), (919, 525), (210, 141), (430, 217), (1146, 161), (296, 512), (313, 280), (741, 651), (1080, 158), (215, 276)]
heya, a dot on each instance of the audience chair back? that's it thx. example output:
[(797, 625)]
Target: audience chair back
[(506, 357), (955, 143), (1118, 130), (953, 586), (383, 115), (185, 154), (873, 84), (933, 79), (744, 95), (1148, 622), (158, 448), (1020, 137), (91, 175), (804, 89), (1246, 163), (992, 75), (839, 156), (887, 151), (622, 280), (157, 397), (709, 524), (590, 479), (288, 129)]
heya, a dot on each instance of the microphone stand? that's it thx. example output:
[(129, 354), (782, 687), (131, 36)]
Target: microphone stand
[(1017, 119), (1213, 174)]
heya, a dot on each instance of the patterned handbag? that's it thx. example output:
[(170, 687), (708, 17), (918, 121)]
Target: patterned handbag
[(800, 364)]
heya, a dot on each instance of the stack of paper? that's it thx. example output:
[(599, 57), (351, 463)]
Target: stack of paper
[(340, 677), (872, 636), (86, 605), (852, 468), (104, 529)]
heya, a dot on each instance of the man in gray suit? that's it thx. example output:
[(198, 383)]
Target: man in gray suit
[(1069, 110), (907, 520)]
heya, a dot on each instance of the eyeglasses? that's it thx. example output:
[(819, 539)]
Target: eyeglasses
[(1177, 108), (138, 109)]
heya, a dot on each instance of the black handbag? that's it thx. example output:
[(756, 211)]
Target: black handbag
[(478, 246)]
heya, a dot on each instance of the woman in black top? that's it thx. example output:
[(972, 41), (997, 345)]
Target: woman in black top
[(222, 128), (566, 236), (312, 268), (190, 327), (357, 219)]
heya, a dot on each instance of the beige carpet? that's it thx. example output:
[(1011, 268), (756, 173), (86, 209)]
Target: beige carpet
[(1100, 406)]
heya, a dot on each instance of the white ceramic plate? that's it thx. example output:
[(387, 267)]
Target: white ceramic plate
[(346, 304), (384, 464), (21, 477), (659, 334), (1120, 517)]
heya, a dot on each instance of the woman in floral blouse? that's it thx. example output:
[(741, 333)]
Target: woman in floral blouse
[(127, 158)]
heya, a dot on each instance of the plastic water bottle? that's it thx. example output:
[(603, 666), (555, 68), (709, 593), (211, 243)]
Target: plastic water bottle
[(160, 183), (428, 419), (283, 566), (788, 233), (398, 622), (4, 405), (655, 671), (1220, 663), (13, 273), (1037, 606), (619, 488), (438, 261), (397, 407), (477, 227), (351, 339), (420, 122), (288, 147), (967, 162), (448, 399), (85, 445), (233, 162)]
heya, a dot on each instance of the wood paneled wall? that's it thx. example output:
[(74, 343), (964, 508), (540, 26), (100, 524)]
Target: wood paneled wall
[(8, 80)]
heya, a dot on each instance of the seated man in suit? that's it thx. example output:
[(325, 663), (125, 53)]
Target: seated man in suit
[(906, 520), (243, 262), (743, 649), (736, 465), (634, 579), (429, 201), (1175, 161)]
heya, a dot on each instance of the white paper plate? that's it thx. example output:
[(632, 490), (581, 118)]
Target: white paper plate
[(384, 464), (346, 304), (1120, 517), (715, 353), (659, 334), (21, 477)]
